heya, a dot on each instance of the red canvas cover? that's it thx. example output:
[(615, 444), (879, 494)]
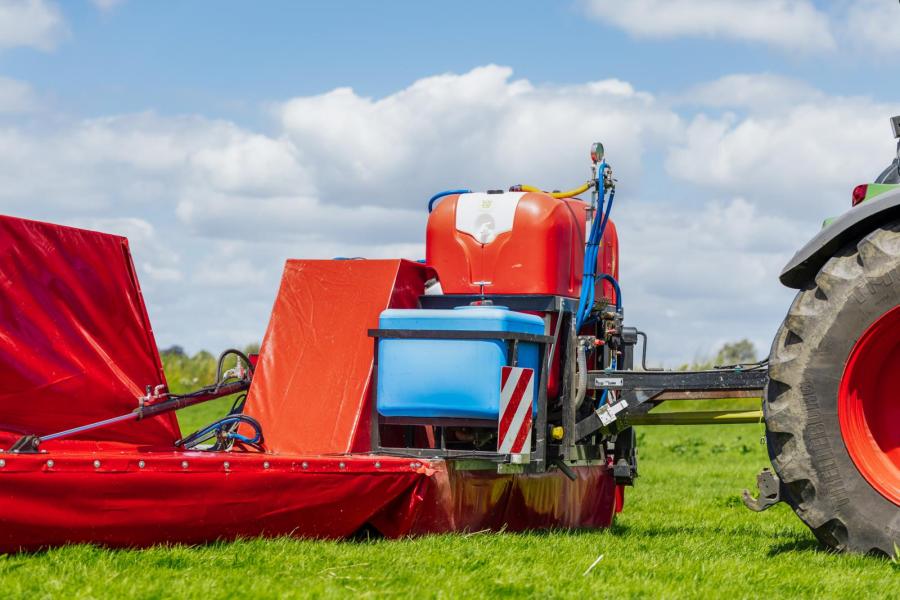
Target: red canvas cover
[(143, 498), (75, 341), (310, 389)]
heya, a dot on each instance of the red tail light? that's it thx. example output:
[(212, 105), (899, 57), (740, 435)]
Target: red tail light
[(859, 194)]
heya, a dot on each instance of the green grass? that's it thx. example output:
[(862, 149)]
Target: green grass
[(684, 534)]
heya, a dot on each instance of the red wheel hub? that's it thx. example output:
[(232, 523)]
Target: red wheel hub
[(869, 405)]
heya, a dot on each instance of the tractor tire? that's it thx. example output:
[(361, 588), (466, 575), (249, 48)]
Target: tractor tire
[(832, 411)]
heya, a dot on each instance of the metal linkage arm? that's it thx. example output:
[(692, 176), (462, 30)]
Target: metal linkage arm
[(30, 443), (639, 387)]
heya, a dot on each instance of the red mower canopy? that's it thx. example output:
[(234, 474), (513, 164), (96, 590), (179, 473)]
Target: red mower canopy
[(75, 340)]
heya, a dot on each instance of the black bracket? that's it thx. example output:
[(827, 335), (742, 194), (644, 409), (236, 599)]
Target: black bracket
[(769, 492), (625, 457), (27, 444)]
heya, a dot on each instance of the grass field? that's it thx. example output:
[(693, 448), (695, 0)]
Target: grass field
[(684, 534)]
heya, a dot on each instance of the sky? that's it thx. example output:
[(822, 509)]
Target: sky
[(224, 137)]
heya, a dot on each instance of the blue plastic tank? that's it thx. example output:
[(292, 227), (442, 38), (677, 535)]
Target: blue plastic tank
[(450, 378)]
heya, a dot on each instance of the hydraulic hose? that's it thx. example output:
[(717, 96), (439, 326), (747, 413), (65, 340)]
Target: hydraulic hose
[(567, 194), (440, 195), (591, 251), (615, 284), (220, 376), (225, 427)]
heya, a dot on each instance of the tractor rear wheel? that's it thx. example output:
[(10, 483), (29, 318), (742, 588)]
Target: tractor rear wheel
[(832, 406)]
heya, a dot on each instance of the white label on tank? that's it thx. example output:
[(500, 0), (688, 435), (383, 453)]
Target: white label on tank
[(485, 216)]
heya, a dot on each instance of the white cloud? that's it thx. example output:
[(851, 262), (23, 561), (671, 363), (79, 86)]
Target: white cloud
[(807, 156), (496, 130), (787, 24), (873, 25), (33, 23), (229, 272), (16, 96), (753, 92), (698, 277), (252, 164)]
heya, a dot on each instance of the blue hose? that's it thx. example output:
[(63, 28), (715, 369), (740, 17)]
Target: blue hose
[(615, 284), (440, 195), (598, 227), (223, 426)]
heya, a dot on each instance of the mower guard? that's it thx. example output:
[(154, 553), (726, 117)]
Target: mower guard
[(851, 226)]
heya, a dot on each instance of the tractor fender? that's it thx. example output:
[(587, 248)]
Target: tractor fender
[(851, 226)]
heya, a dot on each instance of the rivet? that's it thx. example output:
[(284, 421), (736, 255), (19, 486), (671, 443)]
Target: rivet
[(266, 465), (141, 464), (342, 465), (2, 463), (227, 465), (96, 464), (377, 465), (184, 464), (304, 465), (50, 464)]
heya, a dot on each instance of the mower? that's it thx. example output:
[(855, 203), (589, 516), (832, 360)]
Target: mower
[(493, 385)]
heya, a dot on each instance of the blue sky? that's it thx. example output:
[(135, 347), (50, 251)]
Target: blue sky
[(225, 57), (223, 137)]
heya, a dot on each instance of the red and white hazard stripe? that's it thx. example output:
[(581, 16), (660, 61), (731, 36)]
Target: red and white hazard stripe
[(516, 395)]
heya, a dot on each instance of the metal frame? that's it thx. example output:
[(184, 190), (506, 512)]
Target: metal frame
[(641, 391), (538, 457), (525, 302)]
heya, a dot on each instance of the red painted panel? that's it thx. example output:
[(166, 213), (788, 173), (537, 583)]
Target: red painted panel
[(193, 497), (608, 260), (75, 341), (311, 386)]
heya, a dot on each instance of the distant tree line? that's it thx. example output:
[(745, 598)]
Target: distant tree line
[(742, 352)]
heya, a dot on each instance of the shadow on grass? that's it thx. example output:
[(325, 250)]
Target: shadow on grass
[(797, 545)]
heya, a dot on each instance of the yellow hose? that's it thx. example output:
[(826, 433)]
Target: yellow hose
[(567, 194)]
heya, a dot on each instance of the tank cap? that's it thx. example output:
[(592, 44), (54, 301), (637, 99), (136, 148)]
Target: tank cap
[(474, 306)]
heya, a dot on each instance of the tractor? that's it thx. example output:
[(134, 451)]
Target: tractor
[(831, 408)]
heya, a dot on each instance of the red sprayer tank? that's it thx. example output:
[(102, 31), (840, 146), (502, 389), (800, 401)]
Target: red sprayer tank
[(514, 243)]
